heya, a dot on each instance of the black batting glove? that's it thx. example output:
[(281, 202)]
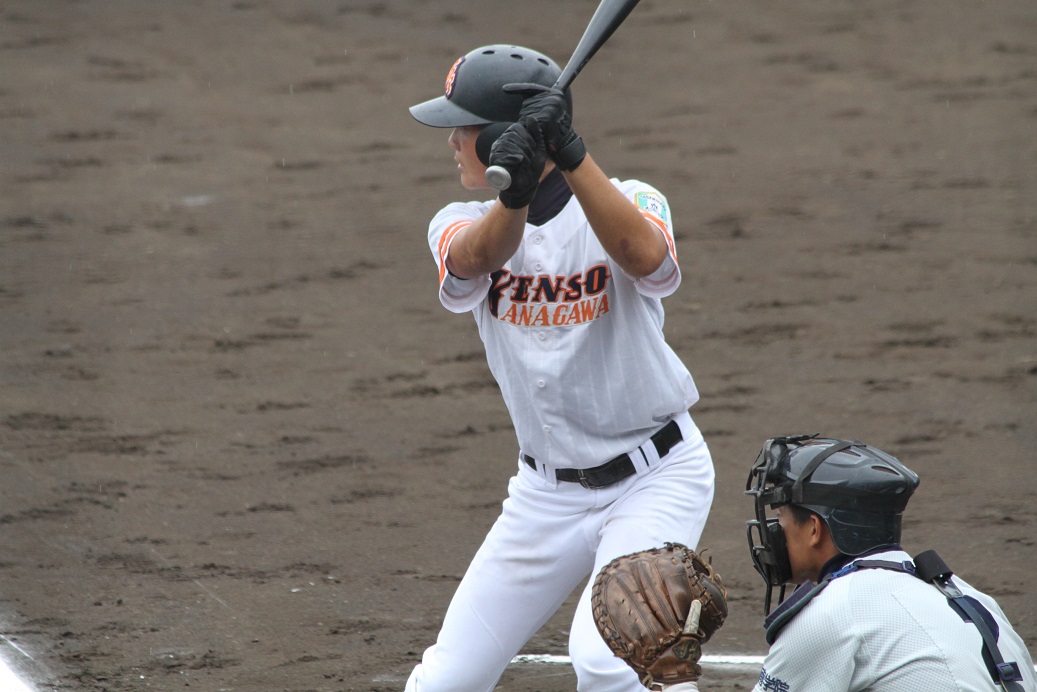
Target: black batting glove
[(522, 152), (550, 109)]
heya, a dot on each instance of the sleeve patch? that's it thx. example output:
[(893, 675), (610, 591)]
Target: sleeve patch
[(653, 204)]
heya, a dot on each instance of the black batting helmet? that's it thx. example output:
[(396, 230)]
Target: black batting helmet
[(474, 92)]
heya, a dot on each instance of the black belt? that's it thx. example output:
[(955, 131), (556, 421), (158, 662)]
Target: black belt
[(615, 470)]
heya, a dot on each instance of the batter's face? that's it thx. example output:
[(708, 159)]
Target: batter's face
[(472, 170)]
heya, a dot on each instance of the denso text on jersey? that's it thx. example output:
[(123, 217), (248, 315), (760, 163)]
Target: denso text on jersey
[(545, 300)]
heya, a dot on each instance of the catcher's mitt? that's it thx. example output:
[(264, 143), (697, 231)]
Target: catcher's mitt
[(656, 608)]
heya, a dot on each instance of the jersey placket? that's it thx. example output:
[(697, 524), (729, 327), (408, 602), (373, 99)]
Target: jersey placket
[(544, 341)]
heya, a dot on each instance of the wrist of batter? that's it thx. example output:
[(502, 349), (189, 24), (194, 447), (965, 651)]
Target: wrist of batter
[(570, 156), (516, 200), (517, 196)]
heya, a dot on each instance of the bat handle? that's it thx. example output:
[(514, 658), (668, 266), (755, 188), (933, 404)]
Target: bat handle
[(498, 177)]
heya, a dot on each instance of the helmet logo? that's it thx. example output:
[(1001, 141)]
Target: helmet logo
[(451, 77)]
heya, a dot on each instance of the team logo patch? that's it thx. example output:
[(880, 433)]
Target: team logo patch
[(654, 204), (451, 77)]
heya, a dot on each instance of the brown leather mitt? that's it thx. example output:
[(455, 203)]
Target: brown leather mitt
[(655, 609)]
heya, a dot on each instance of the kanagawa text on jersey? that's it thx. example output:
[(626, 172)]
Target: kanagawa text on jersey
[(546, 301)]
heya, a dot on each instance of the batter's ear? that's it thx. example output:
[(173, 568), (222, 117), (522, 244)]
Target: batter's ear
[(485, 139)]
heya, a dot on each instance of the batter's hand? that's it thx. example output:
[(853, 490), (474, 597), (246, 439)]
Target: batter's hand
[(522, 152), (550, 109)]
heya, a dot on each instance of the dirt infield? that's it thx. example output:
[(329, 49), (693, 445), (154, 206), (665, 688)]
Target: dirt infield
[(242, 447)]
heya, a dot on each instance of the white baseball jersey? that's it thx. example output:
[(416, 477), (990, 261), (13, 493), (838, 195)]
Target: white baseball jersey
[(887, 631), (575, 344)]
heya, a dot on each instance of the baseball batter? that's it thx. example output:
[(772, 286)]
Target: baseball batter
[(867, 615), (564, 273)]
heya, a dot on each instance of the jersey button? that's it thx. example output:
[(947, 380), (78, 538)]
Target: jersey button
[(541, 336), (547, 428), (539, 266), (541, 384), (538, 239)]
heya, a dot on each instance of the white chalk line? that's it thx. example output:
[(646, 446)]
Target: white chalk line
[(9, 682), (719, 660), (17, 648), (729, 660)]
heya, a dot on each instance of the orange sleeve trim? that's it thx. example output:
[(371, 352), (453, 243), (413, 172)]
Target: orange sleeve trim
[(661, 225), (444, 244)]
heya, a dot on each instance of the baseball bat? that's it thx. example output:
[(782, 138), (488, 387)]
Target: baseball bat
[(606, 19)]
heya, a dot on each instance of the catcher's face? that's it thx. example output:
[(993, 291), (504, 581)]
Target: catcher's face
[(805, 542)]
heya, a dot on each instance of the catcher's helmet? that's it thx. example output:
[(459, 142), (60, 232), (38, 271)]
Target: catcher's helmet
[(474, 87), (859, 491)]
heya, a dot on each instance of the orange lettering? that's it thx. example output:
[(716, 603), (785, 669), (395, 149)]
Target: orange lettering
[(559, 317), (509, 316)]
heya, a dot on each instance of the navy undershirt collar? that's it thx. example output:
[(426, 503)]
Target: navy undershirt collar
[(551, 196), (841, 560)]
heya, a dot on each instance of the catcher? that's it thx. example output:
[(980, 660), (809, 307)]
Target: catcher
[(655, 608), (866, 615)]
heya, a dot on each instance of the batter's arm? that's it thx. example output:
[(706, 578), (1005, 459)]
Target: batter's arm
[(489, 242), (627, 236)]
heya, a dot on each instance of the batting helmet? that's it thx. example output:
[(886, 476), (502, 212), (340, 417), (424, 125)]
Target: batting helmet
[(859, 491), (474, 92)]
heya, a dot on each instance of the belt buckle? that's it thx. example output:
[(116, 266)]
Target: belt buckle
[(586, 482)]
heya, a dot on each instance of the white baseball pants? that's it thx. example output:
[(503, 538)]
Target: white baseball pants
[(549, 537)]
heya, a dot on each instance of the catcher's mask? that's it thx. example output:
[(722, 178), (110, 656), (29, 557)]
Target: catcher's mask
[(860, 492)]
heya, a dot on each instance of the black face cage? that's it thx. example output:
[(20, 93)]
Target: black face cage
[(769, 553), (766, 539), (771, 563)]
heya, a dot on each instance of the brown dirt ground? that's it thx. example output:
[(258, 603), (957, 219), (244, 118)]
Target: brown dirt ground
[(242, 446)]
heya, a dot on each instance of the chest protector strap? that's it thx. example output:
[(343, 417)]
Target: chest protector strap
[(928, 567)]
